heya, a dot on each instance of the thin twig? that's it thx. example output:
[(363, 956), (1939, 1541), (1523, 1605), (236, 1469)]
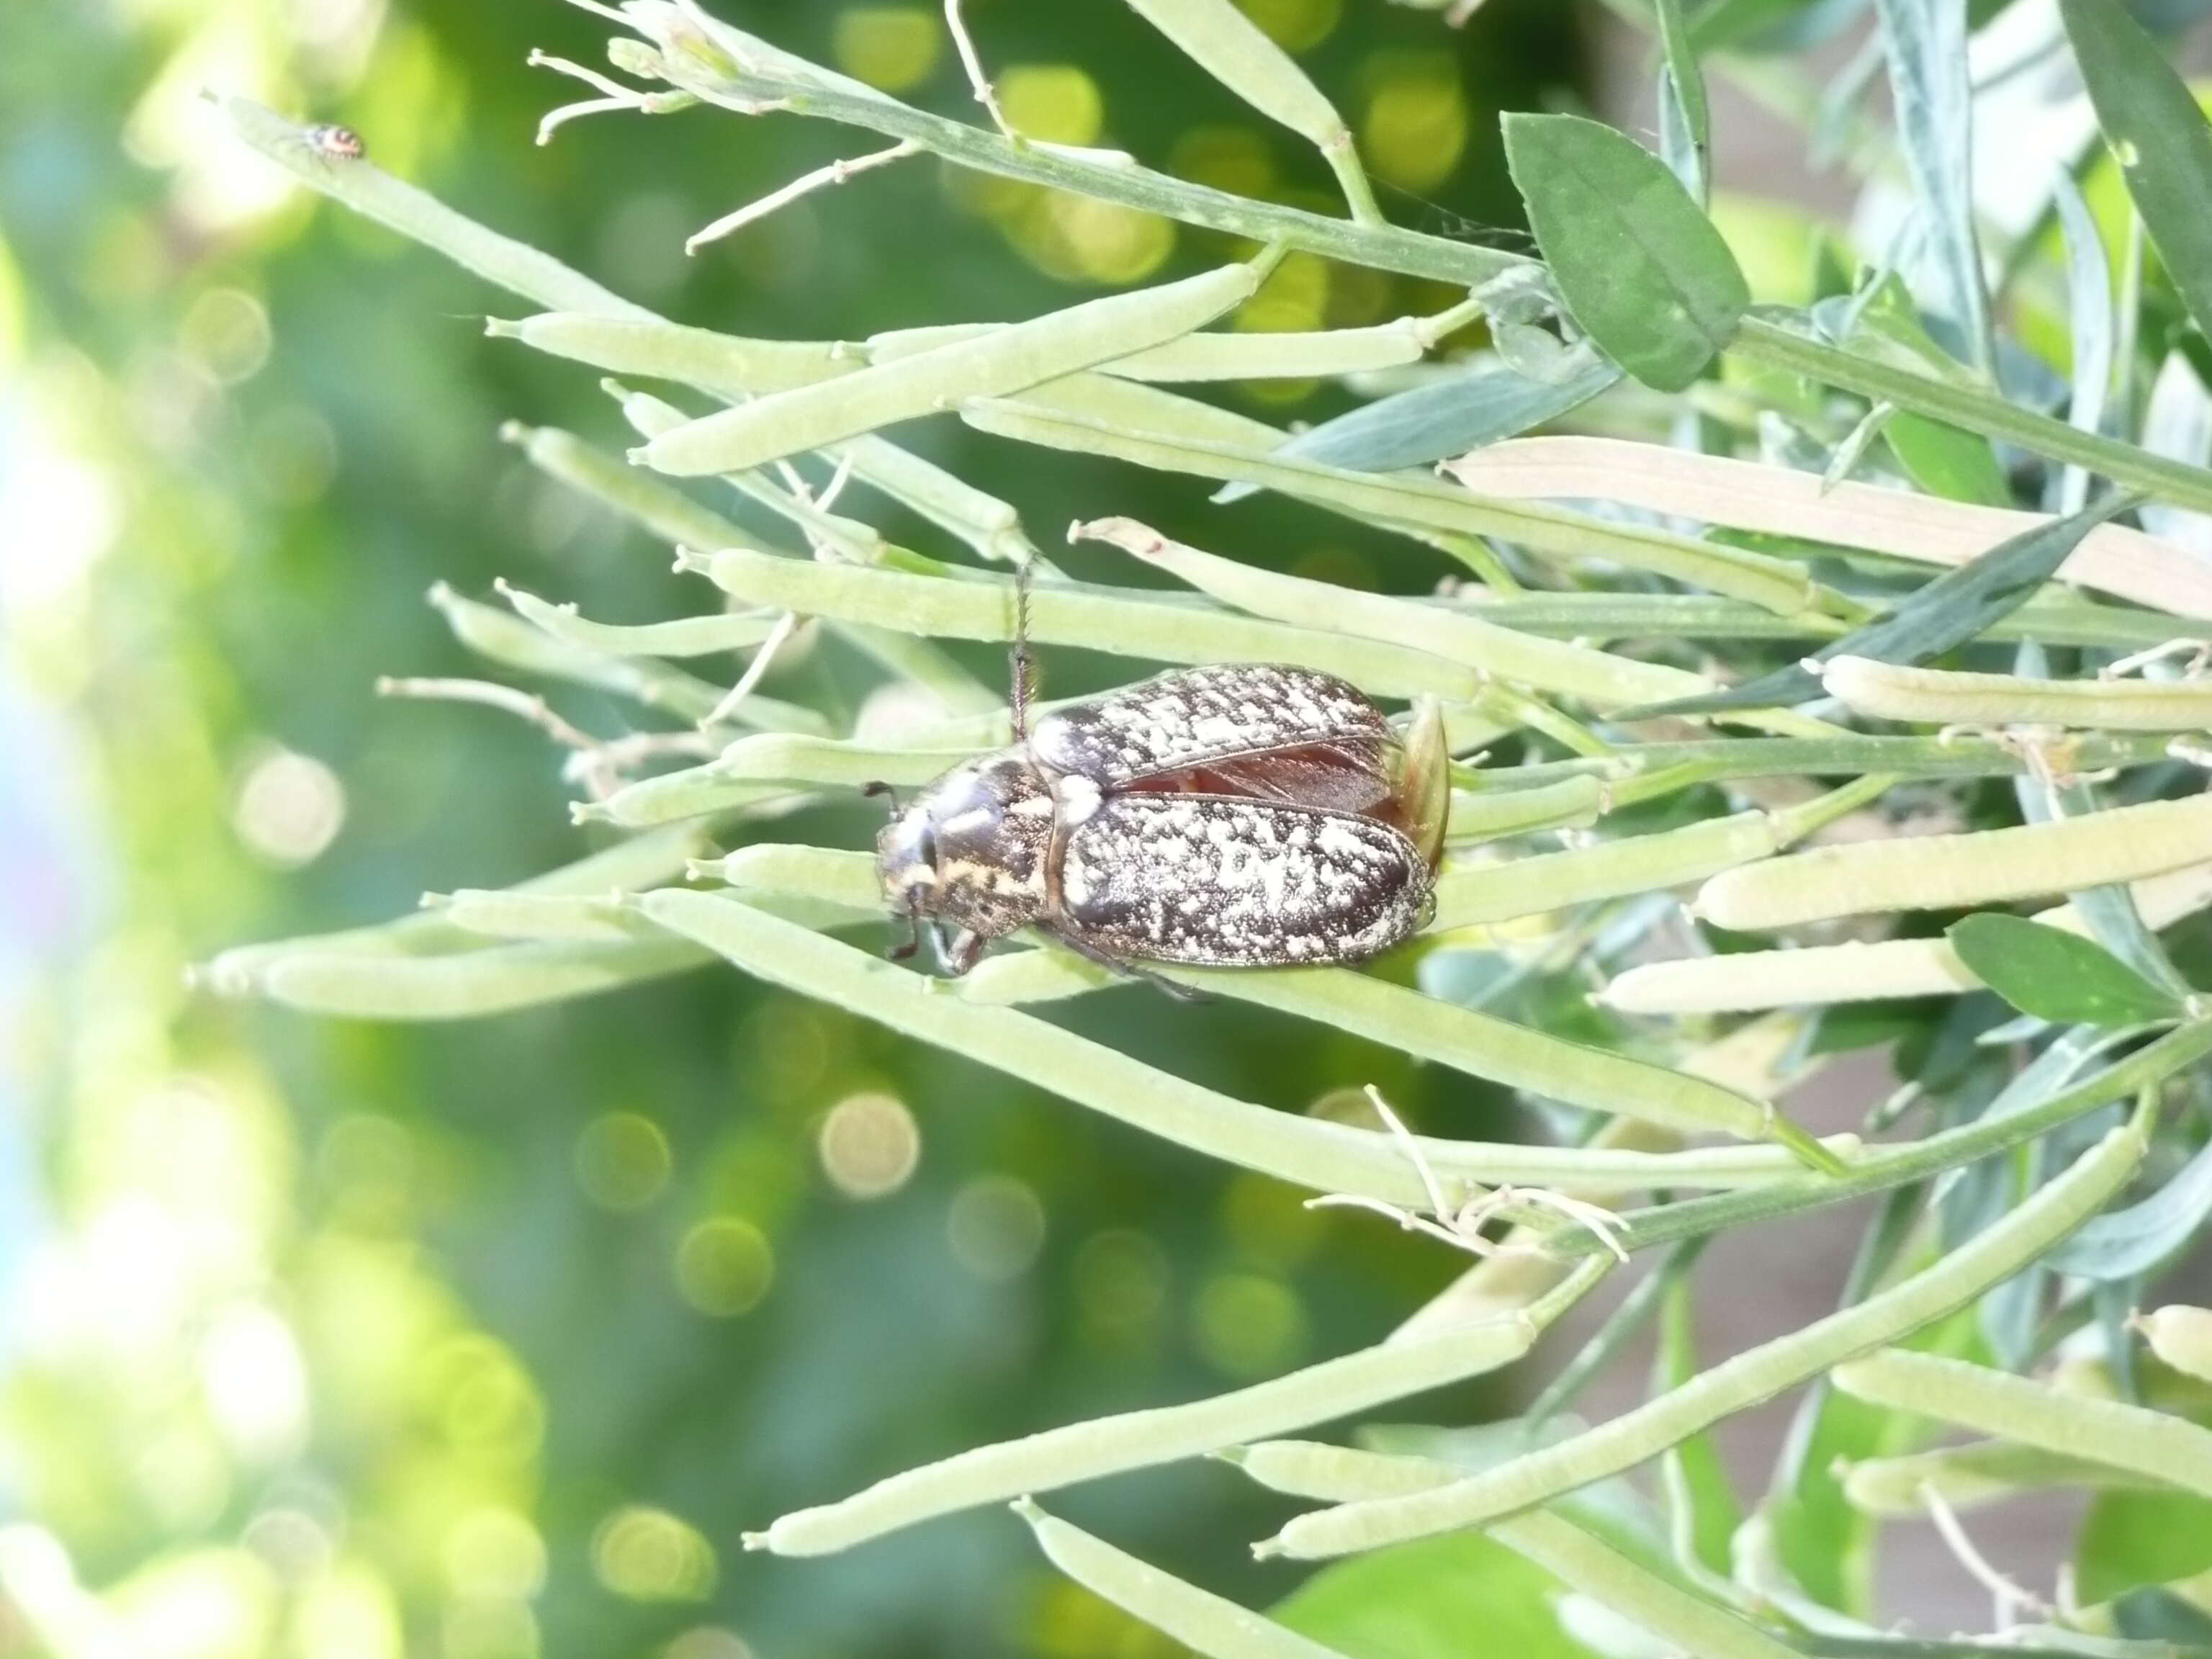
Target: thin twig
[(750, 680), (986, 94), (805, 185)]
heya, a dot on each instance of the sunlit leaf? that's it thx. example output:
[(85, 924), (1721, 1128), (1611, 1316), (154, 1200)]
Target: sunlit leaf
[(2159, 136), (1926, 43), (1643, 271), (2056, 975)]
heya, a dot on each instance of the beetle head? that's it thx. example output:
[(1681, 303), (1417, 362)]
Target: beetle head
[(971, 848)]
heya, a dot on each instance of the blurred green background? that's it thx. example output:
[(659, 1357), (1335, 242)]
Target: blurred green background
[(485, 1342)]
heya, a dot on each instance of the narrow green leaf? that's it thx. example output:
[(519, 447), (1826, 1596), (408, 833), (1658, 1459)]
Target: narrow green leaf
[(1926, 43), (2159, 136), (1959, 605), (1682, 90), (1447, 417), (2056, 975), (1643, 271), (2132, 1241)]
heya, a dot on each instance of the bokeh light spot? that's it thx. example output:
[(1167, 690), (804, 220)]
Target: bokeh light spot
[(485, 1400), (1415, 128), (495, 1554), (622, 1161), (1121, 1288), (226, 331), (893, 47), (647, 1554), (256, 1382), (996, 1228), (1245, 1325), (723, 1266), (1059, 103), (1110, 243), (869, 1145), (1238, 159), (707, 1641), (290, 807), (1294, 25)]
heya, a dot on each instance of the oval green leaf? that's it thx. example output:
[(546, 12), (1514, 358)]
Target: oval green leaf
[(1643, 271), (2056, 975), (2158, 135)]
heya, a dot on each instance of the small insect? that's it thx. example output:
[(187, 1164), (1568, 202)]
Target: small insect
[(335, 143), (1249, 815)]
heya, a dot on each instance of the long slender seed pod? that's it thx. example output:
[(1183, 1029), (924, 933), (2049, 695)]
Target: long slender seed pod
[(1196, 1620), (2157, 1445), (1923, 872), (1230, 48), (1752, 496), (1738, 1383), (1748, 980), (468, 984), (1129, 621), (1084, 1451), (1325, 1156), (1969, 1476), (1941, 698), (1005, 361), (1576, 1556), (1548, 666), (1412, 501)]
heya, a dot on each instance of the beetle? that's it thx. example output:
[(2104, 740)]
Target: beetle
[(1244, 815), (335, 143)]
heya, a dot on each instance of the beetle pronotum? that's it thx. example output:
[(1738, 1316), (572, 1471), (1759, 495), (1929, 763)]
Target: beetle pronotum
[(1752, 1376)]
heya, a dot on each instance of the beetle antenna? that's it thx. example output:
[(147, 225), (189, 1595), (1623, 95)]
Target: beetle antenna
[(1022, 665), (878, 788)]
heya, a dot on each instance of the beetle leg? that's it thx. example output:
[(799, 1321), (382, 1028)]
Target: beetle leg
[(1123, 965), (902, 952), (965, 951)]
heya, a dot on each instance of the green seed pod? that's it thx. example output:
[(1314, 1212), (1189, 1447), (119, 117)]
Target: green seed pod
[(1888, 692), (2182, 1337), (1004, 361), (2154, 1444), (1746, 980), (1738, 1383), (1924, 873), (1230, 48), (471, 983), (1967, 1477), (726, 364), (1084, 1451), (682, 637), (1197, 1620), (1578, 1557)]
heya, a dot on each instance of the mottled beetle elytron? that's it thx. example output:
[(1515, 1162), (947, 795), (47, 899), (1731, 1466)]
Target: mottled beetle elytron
[(1249, 815)]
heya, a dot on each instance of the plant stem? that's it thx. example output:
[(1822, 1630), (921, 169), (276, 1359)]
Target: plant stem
[(1766, 343)]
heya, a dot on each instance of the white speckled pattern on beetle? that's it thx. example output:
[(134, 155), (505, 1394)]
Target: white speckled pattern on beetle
[(1200, 879), (1198, 714), (1247, 816)]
